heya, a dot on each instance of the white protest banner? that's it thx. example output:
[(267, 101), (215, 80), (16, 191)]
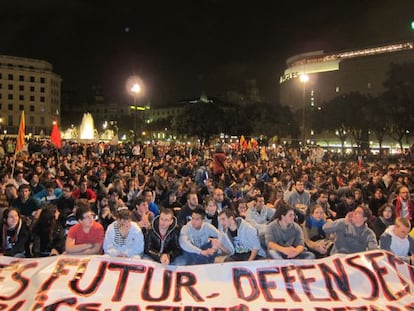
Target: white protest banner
[(365, 281)]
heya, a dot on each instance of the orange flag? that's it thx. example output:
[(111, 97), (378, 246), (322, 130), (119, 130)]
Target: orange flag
[(20, 135), (55, 135)]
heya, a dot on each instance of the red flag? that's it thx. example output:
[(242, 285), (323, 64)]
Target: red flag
[(55, 135), (20, 135)]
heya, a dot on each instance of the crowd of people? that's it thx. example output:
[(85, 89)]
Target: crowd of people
[(185, 205)]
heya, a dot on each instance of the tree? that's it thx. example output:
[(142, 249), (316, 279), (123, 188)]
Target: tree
[(400, 100), (345, 115), (201, 120)]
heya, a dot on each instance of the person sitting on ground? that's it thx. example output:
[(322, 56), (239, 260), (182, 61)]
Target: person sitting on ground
[(386, 217), (162, 240), (124, 238), (315, 238), (397, 240), (86, 237), (141, 214), (284, 238), (243, 237), (15, 235), (352, 232), (201, 241), (48, 234)]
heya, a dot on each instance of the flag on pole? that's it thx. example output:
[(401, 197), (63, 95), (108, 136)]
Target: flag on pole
[(20, 135), (55, 135)]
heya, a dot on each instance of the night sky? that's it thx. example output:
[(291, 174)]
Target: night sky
[(182, 48)]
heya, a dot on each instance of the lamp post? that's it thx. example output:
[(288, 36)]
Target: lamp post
[(304, 78), (135, 90)]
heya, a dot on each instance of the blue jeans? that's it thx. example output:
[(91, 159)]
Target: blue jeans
[(197, 259), (278, 255)]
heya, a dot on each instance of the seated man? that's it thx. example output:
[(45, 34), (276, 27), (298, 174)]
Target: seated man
[(396, 239), (243, 237), (284, 238), (352, 232), (124, 238), (162, 240), (200, 241), (86, 237)]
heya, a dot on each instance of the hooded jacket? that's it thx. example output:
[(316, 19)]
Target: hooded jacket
[(155, 245), (400, 247)]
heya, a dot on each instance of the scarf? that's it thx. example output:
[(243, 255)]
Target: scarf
[(311, 222), (13, 239)]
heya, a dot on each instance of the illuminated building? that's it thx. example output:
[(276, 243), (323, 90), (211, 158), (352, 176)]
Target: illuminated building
[(332, 74), (29, 85)]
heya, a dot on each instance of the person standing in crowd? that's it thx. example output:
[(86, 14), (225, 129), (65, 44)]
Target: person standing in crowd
[(352, 232), (124, 238), (284, 238), (245, 243), (86, 237), (397, 240), (15, 235), (404, 206), (162, 240), (219, 164)]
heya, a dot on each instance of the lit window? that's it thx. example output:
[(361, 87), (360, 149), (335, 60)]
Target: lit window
[(337, 89), (369, 85)]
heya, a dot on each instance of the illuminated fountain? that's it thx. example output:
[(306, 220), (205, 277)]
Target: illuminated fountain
[(87, 129)]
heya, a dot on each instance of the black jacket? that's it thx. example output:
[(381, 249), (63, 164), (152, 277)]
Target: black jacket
[(155, 246)]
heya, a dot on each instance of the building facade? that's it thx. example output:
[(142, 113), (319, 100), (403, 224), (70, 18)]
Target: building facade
[(331, 74), (29, 85)]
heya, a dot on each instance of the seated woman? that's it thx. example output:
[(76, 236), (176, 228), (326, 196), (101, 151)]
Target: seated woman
[(48, 234), (386, 216), (315, 238), (15, 235), (124, 238)]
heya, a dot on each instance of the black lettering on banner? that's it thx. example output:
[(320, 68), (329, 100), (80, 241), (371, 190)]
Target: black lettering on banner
[(166, 285), (339, 276), (266, 286), (381, 271), (96, 281), (368, 273), (186, 280), (125, 269), (307, 289), (131, 308), (15, 307), (67, 302), (58, 271), (289, 282), (94, 306), (238, 275), (392, 260), (18, 277)]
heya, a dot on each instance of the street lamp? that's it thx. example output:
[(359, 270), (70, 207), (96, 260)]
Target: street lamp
[(304, 78), (135, 88)]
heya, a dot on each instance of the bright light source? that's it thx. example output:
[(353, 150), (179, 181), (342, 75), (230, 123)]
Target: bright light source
[(303, 78), (136, 88)]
